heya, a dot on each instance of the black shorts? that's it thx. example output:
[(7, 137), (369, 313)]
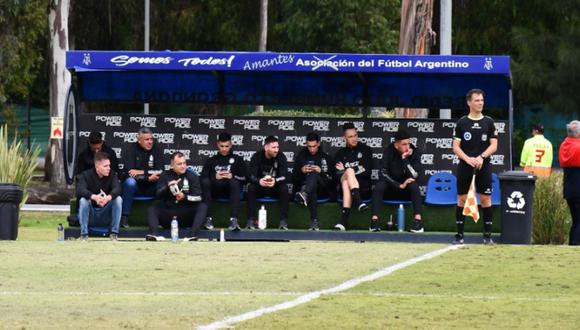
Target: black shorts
[(482, 178)]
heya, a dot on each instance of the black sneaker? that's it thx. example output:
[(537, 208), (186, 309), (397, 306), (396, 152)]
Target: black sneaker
[(190, 239), (417, 227), (374, 226), (302, 198), (488, 241), (250, 224), (314, 225), (283, 224), (458, 240), (208, 223), (339, 226), (234, 226), (124, 221), (363, 207)]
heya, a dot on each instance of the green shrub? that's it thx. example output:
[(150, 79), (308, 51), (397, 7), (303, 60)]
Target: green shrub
[(16, 164), (550, 216)]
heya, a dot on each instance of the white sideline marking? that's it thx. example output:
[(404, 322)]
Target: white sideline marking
[(230, 321)]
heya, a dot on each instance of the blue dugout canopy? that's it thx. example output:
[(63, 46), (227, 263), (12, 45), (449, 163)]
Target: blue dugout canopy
[(289, 79), (269, 78)]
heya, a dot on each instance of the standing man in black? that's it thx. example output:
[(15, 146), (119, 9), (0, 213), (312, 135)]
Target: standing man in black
[(268, 178), (353, 171), (86, 159), (223, 176), (399, 171), (313, 175), (474, 141), (179, 194), (143, 165)]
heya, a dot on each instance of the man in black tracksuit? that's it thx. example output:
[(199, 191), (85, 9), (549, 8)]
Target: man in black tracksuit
[(143, 165), (399, 171), (179, 195), (353, 171), (86, 159), (223, 176), (312, 175), (268, 177)]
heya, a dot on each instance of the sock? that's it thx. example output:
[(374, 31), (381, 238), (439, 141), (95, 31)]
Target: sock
[(355, 192), (345, 212), (487, 220), (459, 220)]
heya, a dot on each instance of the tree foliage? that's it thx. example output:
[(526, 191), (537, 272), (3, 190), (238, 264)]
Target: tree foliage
[(540, 36), (366, 26), (23, 31)]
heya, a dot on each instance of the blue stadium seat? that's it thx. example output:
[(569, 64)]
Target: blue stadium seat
[(496, 193), (143, 198), (395, 202), (267, 200), (227, 200), (442, 189)]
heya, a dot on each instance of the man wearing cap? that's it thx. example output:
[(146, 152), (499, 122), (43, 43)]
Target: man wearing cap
[(537, 153), (399, 171), (86, 159)]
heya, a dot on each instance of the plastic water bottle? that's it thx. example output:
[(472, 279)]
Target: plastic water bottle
[(222, 235), (401, 218), (60, 232), (174, 229), (390, 224), (262, 218)]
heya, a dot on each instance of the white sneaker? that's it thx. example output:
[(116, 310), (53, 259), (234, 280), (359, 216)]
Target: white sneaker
[(339, 226), (153, 238)]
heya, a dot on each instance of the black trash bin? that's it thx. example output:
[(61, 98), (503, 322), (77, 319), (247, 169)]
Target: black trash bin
[(10, 198), (517, 196)]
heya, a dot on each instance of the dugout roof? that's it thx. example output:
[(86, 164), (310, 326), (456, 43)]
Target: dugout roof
[(269, 78)]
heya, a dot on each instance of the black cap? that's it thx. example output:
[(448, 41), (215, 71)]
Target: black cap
[(402, 135), (95, 138), (539, 127)]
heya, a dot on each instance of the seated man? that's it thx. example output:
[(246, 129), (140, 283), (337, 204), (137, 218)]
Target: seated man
[(268, 171), (95, 143), (98, 191), (179, 194), (313, 174), (353, 165), (222, 177), (400, 167), (143, 165)]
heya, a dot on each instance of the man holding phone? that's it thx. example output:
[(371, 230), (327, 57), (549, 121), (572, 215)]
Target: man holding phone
[(223, 176), (268, 173), (312, 175)]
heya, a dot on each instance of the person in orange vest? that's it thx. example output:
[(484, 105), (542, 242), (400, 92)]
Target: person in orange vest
[(537, 153)]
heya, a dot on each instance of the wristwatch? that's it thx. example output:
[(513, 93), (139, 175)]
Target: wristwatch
[(482, 155)]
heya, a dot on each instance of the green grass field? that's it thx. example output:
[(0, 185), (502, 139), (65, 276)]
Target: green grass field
[(135, 284)]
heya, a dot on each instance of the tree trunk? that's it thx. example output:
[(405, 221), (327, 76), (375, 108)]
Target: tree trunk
[(416, 37), (263, 35), (60, 80)]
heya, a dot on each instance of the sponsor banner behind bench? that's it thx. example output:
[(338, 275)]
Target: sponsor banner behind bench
[(196, 136)]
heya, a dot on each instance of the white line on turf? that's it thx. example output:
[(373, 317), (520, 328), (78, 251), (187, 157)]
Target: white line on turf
[(230, 321)]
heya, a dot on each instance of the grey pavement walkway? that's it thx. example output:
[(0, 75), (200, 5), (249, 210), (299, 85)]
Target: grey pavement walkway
[(45, 208)]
